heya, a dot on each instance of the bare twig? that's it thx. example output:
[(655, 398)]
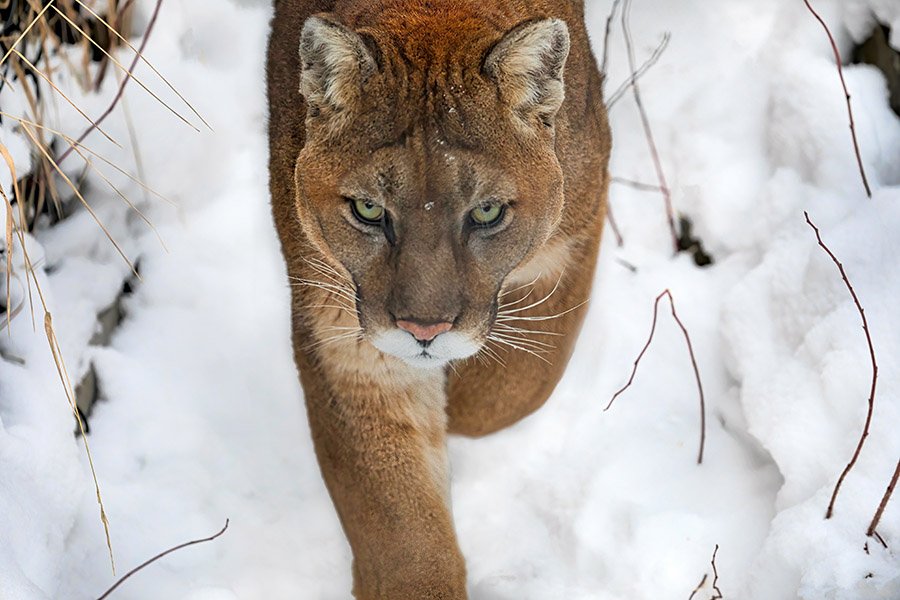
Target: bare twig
[(614, 226), (717, 593), (622, 89), (715, 582), (149, 562), (840, 69), (125, 81), (638, 185), (645, 121), (865, 322), (699, 586), (884, 502), (690, 347), (609, 21)]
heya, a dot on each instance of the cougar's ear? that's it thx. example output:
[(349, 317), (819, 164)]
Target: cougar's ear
[(334, 61), (528, 64)]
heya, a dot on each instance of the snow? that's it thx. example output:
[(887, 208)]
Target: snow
[(201, 416)]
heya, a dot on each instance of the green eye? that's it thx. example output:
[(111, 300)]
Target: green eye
[(487, 215), (367, 211)]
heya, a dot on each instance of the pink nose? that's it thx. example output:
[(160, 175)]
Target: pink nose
[(424, 333)]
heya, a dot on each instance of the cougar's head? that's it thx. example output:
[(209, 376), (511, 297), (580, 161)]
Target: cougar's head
[(429, 172)]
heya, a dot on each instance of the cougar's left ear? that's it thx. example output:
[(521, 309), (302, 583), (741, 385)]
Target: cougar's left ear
[(528, 64), (335, 62)]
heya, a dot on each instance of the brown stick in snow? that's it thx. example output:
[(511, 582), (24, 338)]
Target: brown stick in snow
[(715, 583), (638, 185), (149, 562), (840, 69), (699, 586), (717, 593), (865, 322), (690, 347), (645, 121), (609, 20), (614, 226), (884, 502)]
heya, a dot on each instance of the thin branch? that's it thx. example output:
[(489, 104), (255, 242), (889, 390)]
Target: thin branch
[(609, 22), (638, 185), (884, 502), (645, 121), (865, 322), (125, 81), (614, 226), (690, 347), (641, 71), (840, 69), (717, 593), (715, 583), (149, 562), (699, 586)]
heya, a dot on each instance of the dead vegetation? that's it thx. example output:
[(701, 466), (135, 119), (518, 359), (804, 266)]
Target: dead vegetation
[(49, 50)]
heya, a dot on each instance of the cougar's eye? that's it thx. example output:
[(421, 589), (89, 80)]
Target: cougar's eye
[(367, 212), (488, 214)]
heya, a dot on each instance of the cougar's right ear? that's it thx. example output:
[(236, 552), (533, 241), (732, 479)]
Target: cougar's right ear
[(334, 61)]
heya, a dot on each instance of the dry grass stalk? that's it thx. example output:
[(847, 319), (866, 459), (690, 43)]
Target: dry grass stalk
[(33, 33)]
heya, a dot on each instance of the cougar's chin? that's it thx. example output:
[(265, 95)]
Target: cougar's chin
[(433, 354)]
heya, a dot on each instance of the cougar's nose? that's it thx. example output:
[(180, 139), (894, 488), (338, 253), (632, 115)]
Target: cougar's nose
[(424, 332)]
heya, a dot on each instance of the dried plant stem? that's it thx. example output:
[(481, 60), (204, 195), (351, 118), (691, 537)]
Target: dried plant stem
[(11, 228), (871, 408), (640, 72), (715, 582), (76, 146), (638, 185), (873, 526), (840, 70), (614, 226), (609, 21), (125, 80), (690, 347), (717, 593), (61, 371), (149, 562), (129, 72), (699, 586), (143, 59), (94, 124), (648, 132), (81, 198), (37, 19)]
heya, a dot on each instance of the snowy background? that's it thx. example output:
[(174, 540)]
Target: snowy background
[(201, 415)]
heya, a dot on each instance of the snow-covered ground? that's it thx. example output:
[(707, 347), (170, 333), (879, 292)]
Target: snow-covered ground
[(201, 417)]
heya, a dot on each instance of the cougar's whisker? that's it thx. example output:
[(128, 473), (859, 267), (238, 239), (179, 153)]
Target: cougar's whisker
[(519, 347), (504, 326), (524, 341), (533, 304), (507, 318), (521, 287), (493, 354)]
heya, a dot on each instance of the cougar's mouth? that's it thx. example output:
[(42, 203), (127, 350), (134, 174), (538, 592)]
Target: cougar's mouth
[(435, 353)]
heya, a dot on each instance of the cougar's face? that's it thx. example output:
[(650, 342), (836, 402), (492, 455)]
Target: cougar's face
[(428, 233), (427, 199)]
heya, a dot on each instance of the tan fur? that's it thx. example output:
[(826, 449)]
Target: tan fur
[(429, 109)]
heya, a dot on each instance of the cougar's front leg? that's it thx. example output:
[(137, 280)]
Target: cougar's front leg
[(379, 432)]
